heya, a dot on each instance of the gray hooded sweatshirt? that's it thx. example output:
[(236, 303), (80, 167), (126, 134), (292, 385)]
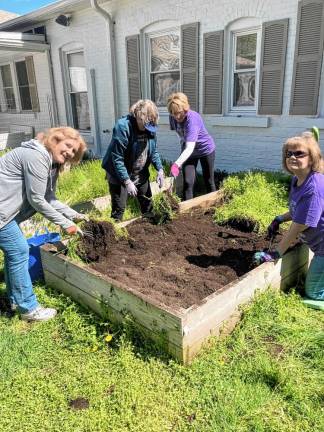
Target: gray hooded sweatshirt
[(27, 186)]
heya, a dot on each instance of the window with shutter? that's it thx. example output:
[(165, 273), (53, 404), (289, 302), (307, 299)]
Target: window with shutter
[(308, 58), (272, 67)]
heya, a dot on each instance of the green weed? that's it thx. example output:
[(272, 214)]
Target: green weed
[(255, 196)]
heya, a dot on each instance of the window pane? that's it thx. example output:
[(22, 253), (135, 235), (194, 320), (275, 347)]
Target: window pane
[(76, 59), (22, 73), (9, 99), (165, 52), (78, 79), (163, 84), (246, 51), (80, 111), (25, 99), (244, 89), (6, 76)]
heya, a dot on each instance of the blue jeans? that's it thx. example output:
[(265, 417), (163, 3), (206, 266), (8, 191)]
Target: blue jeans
[(16, 255), (314, 285)]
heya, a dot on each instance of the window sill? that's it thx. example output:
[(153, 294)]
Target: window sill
[(258, 122)]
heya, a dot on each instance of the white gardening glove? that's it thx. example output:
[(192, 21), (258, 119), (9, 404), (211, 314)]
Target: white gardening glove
[(160, 178), (131, 188)]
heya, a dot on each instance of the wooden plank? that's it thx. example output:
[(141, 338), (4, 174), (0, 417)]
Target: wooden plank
[(206, 318), (148, 313), (104, 309), (203, 201)]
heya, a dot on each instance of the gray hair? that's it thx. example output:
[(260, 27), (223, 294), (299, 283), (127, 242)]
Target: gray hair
[(145, 110)]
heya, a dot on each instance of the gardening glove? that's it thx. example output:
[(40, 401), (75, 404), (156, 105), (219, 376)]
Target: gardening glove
[(131, 188), (160, 178), (175, 170), (273, 228), (79, 217), (265, 256), (73, 230)]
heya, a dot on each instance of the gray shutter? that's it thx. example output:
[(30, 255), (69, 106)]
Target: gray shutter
[(190, 63), (133, 69), (272, 70), (32, 83), (308, 57), (213, 72)]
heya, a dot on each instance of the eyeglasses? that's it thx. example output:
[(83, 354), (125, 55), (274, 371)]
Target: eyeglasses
[(299, 154)]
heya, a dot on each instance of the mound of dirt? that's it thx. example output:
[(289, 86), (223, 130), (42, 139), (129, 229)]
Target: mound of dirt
[(97, 241)]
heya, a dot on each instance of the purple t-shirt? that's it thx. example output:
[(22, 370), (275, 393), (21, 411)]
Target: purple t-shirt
[(192, 129), (306, 206)]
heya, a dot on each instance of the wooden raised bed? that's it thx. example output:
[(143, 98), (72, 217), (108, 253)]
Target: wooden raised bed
[(182, 332)]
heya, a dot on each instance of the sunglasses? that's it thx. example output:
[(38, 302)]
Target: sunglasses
[(299, 154)]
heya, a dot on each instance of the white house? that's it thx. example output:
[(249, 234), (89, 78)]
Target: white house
[(252, 68)]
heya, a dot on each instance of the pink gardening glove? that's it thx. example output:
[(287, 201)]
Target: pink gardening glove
[(175, 170)]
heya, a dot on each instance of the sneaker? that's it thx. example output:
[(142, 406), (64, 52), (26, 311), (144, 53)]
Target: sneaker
[(39, 314), (13, 307)]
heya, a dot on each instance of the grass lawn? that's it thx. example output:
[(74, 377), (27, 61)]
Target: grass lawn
[(266, 376)]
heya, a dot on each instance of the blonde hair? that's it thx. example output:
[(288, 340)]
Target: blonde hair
[(177, 102), (145, 110), (53, 136), (310, 144)]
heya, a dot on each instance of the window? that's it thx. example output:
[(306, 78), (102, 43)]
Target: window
[(8, 89), (78, 91), (27, 85), (244, 70), (164, 65)]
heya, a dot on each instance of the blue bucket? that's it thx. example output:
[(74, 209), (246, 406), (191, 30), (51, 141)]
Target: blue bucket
[(35, 263)]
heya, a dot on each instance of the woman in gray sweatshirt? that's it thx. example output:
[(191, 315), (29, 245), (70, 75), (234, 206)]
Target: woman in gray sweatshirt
[(28, 177)]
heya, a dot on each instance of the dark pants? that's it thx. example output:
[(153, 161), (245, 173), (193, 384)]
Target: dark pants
[(189, 174), (118, 193)]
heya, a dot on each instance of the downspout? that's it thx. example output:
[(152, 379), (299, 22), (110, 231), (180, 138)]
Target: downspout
[(55, 119), (110, 23)]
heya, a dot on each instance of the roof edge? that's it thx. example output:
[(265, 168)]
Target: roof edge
[(40, 13)]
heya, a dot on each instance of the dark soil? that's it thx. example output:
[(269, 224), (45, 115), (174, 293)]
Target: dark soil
[(178, 263), (79, 403)]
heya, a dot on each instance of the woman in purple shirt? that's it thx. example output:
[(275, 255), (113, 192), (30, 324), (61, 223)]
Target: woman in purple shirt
[(302, 158), (196, 144)]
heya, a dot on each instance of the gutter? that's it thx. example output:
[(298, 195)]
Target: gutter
[(110, 23)]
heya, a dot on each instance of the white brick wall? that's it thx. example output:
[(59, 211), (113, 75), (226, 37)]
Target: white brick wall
[(238, 148)]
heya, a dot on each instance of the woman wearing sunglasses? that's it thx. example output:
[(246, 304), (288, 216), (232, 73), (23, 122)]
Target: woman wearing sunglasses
[(302, 158)]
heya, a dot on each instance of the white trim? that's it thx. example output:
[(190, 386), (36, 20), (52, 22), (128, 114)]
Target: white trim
[(231, 121), (230, 78)]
